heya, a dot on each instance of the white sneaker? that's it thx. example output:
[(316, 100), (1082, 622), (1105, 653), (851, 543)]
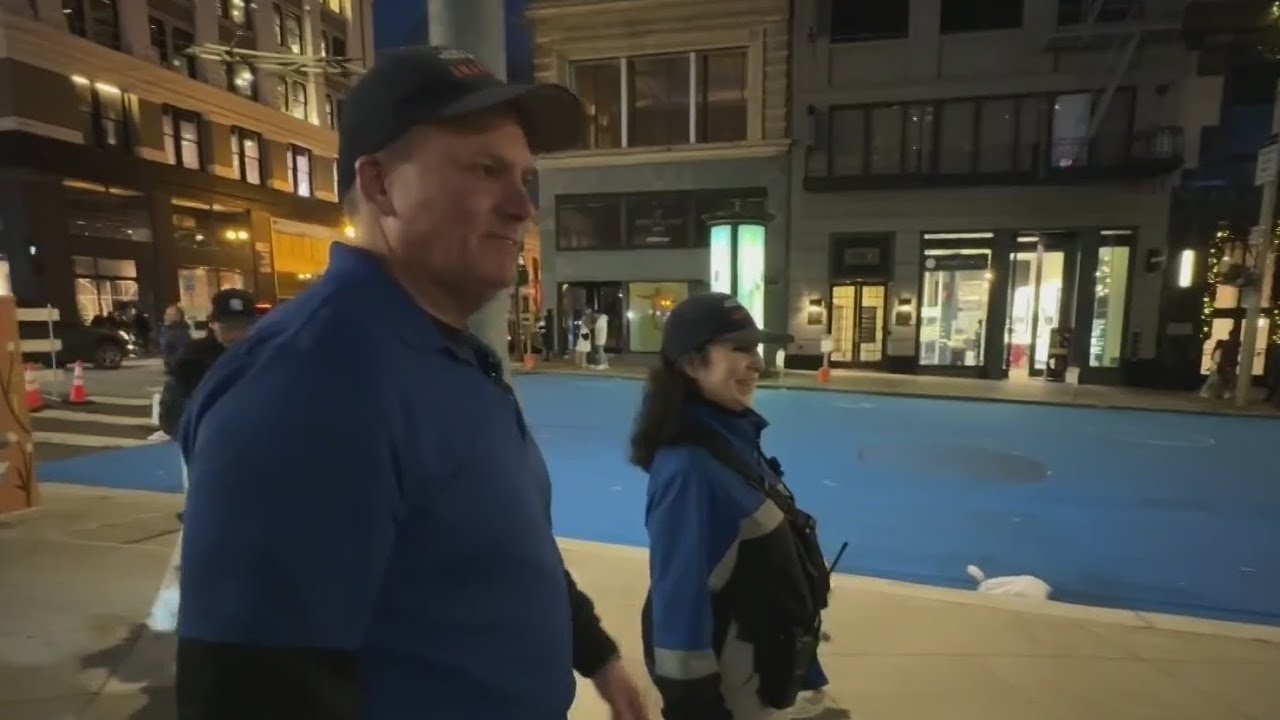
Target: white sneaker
[(815, 705)]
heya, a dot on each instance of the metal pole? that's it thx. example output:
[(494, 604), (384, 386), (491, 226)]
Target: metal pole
[(478, 27), (1251, 298)]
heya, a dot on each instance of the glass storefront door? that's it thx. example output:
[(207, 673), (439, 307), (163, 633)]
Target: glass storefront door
[(1036, 280), (955, 289), (857, 324)]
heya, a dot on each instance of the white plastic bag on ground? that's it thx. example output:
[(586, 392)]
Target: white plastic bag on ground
[(164, 610), (1026, 586)]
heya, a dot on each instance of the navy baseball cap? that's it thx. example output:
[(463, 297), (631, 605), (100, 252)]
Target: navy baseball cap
[(713, 317), (421, 84), (232, 304)]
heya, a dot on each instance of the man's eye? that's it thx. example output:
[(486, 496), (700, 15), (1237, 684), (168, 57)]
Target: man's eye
[(744, 349)]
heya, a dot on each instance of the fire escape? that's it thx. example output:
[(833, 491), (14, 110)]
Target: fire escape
[(1122, 28)]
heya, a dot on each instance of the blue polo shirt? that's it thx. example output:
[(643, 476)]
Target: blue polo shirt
[(360, 481)]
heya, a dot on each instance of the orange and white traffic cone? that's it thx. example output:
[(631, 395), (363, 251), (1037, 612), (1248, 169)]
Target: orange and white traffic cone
[(529, 361), (35, 398), (78, 395)]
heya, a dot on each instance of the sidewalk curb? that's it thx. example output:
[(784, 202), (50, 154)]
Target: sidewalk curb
[(1255, 412), (1053, 608)]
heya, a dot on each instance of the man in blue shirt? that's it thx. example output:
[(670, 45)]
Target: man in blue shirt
[(368, 529)]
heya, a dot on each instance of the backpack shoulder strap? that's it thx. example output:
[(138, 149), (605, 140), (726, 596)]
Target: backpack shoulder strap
[(719, 448)]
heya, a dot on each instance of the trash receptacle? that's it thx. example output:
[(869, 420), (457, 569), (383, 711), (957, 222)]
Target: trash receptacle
[(1059, 346)]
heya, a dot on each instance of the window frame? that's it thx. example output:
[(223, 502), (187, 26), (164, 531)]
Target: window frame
[(172, 118), (871, 36), (296, 174), (291, 17), (292, 83), (694, 62), (974, 26), (239, 136), (1038, 102), (696, 204)]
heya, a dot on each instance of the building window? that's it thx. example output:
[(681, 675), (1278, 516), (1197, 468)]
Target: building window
[(659, 92), (299, 162), (246, 155), (960, 16), (956, 137), (182, 60), (330, 119), (997, 129), (334, 5), (1077, 12), (107, 111), (848, 141), (672, 99), (599, 84), (197, 285), (722, 96), (648, 306), (160, 40), (237, 11), (1111, 288), (920, 138), (860, 20), (104, 286), (1072, 115), (659, 220), (182, 138), (886, 140), (324, 43), (298, 99), (242, 80), (277, 16), (338, 46), (955, 286), (95, 20), (588, 222), (199, 225), (112, 213), (293, 34)]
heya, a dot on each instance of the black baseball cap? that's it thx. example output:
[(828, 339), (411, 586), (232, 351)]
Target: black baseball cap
[(232, 304), (712, 317), (422, 84)]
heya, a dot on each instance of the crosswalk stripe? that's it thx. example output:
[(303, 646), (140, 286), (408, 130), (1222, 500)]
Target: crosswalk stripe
[(81, 440), (56, 414)]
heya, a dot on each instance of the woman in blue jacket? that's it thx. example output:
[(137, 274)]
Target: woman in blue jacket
[(725, 539)]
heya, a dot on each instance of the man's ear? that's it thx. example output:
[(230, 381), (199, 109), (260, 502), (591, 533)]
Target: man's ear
[(371, 181)]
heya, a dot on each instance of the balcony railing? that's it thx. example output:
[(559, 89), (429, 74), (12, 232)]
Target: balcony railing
[(1148, 153)]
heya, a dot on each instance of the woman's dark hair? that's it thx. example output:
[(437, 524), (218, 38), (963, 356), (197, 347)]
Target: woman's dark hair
[(666, 393)]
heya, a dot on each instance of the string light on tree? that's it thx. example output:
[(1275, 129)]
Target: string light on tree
[(1213, 259)]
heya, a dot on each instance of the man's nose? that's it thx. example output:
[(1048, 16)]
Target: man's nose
[(517, 202)]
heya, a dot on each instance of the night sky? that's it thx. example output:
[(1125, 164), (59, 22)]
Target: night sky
[(404, 22)]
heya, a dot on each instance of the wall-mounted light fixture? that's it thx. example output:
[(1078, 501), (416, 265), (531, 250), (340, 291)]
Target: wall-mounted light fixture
[(1186, 268)]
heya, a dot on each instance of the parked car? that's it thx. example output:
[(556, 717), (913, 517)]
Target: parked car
[(104, 348)]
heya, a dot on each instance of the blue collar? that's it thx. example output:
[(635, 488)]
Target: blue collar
[(365, 270), (743, 427)]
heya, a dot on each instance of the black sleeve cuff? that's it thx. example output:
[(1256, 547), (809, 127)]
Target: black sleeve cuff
[(227, 681), (699, 699), (592, 646)]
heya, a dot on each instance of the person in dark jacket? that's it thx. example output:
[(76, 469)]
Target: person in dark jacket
[(174, 334), (721, 547), (230, 319)]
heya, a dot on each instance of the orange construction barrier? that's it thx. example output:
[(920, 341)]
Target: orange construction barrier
[(78, 395), (35, 398)]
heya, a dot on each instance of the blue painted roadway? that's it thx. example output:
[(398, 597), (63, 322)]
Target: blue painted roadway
[(1148, 511)]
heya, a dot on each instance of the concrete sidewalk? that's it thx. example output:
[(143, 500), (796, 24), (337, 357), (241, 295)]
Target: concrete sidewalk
[(79, 574), (1030, 390)]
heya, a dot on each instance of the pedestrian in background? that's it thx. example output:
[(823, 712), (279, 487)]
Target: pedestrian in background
[(369, 527), (175, 333), (230, 317), (731, 623)]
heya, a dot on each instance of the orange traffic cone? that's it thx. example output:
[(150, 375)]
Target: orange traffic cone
[(35, 398), (78, 395), (528, 361), (824, 375)]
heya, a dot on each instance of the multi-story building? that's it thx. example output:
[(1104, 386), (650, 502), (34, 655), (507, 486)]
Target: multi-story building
[(687, 105), (972, 179), (133, 171)]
